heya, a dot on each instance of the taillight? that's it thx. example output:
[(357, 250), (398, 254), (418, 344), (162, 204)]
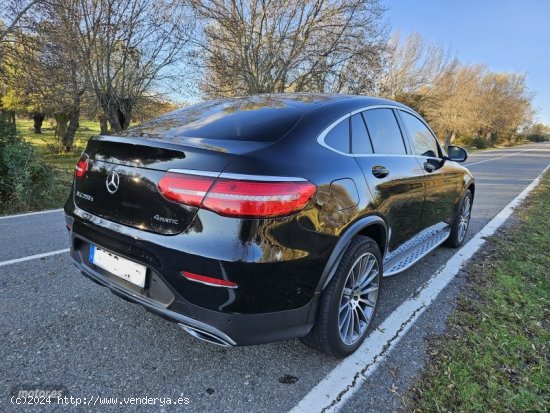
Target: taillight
[(81, 167), (238, 198), (185, 189), (258, 199), (214, 282)]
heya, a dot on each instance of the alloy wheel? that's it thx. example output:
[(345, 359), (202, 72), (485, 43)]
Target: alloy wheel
[(464, 219), (358, 298)]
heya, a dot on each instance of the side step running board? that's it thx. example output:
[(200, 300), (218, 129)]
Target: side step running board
[(414, 250)]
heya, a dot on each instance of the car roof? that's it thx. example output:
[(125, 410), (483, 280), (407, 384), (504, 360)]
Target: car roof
[(263, 117), (308, 100)]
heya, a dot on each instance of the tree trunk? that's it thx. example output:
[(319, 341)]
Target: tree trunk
[(449, 136), (125, 116), (103, 124), (38, 119), (74, 123), (114, 121), (61, 120), (119, 114)]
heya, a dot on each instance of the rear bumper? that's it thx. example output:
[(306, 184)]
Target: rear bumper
[(222, 329), (153, 306), (208, 314)]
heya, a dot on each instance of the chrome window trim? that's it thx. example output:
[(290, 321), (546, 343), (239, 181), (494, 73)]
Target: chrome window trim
[(242, 177), (407, 155), (417, 116), (323, 134)]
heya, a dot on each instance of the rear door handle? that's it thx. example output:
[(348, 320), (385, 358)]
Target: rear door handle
[(380, 171), (428, 167)]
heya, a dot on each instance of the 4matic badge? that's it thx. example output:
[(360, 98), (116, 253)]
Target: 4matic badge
[(165, 220)]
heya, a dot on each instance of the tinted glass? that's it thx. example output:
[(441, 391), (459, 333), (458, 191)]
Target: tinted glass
[(423, 141), (338, 137), (360, 142), (256, 118), (384, 131)]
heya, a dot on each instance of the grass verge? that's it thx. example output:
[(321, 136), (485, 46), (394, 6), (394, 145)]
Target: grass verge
[(45, 143), (494, 354)]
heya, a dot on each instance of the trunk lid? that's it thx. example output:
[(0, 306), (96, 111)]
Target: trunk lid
[(121, 182)]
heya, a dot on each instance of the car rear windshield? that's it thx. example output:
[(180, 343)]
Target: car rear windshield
[(262, 119)]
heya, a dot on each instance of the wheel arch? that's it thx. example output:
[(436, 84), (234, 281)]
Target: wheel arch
[(472, 187), (371, 226)]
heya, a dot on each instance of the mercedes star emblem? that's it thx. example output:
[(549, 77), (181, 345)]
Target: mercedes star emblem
[(112, 182)]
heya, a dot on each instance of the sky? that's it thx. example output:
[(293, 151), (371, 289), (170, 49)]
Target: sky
[(505, 35)]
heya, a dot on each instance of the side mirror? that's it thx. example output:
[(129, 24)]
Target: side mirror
[(457, 154)]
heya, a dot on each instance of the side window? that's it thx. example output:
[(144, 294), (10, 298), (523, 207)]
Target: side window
[(424, 142), (384, 131), (338, 137), (360, 142)]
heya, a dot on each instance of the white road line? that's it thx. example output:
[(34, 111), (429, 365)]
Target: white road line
[(31, 213), (33, 257), (498, 157), (346, 378)]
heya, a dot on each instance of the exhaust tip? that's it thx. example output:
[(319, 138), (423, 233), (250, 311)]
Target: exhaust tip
[(205, 336)]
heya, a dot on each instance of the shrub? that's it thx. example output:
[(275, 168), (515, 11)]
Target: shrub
[(470, 141), (464, 140), (25, 182), (535, 137), (479, 142)]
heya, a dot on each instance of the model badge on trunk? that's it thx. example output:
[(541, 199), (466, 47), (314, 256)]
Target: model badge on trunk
[(85, 196), (166, 220), (113, 180)]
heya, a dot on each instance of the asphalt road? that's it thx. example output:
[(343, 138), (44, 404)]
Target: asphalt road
[(58, 328)]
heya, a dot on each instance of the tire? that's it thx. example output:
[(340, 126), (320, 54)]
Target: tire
[(461, 222), (340, 305)]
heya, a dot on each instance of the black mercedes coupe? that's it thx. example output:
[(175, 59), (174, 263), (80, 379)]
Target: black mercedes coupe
[(255, 219)]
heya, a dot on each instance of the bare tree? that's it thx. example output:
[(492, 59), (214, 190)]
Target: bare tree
[(14, 11), (124, 47), (21, 74), (259, 46), (11, 14), (457, 99), (411, 68), (43, 74)]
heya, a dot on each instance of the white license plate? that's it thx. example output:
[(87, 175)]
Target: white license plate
[(117, 265)]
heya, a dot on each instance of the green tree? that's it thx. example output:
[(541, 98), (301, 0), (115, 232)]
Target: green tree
[(42, 78)]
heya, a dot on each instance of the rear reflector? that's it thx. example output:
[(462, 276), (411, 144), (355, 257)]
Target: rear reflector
[(238, 198), (81, 167), (214, 282)]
